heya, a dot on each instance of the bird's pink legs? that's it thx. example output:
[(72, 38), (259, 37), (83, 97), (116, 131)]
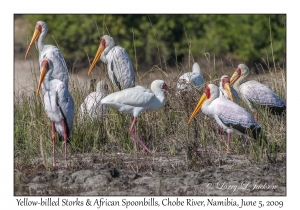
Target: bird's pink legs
[(255, 116), (65, 141), (135, 137), (220, 133), (228, 143), (53, 143), (132, 131)]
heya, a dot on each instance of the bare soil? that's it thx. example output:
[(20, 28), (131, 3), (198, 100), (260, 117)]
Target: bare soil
[(145, 175)]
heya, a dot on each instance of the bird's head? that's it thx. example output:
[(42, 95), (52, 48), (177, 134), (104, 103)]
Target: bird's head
[(158, 85), (225, 84), (40, 27), (242, 70), (210, 92), (45, 68), (106, 43)]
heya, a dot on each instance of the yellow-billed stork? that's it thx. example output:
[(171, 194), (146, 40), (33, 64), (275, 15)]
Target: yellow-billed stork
[(119, 66), (253, 92), (59, 105), (50, 52), (229, 116), (226, 90)]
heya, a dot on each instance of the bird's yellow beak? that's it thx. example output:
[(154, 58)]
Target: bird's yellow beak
[(98, 54), (198, 107), (228, 90), (44, 70), (234, 77), (35, 36)]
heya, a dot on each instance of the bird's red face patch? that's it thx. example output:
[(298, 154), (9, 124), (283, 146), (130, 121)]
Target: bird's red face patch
[(165, 87), (103, 42), (45, 64), (38, 27), (225, 80), (239, 71), (207, 92)]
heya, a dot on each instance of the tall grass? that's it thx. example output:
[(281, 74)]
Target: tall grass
[(164, 131)]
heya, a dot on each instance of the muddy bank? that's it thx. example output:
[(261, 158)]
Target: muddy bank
[(124, 174)]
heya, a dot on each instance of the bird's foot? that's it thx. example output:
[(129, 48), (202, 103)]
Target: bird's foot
[(141, 142)]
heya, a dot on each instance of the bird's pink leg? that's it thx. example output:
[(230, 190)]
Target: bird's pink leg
[(255, 116), (228, 143), (53, 144), (220, 133), (65, 141), (132, 131), (135, 137)]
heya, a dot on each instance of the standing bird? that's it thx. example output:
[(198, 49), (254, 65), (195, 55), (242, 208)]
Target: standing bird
[(137, 99), (226, 91), (52, 53), (253, 92), (119, 66), (59, 105), (229, 116), (92, 103), (191, 78)]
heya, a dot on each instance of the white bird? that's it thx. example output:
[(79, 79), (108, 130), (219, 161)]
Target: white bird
[(253, 92), (191, 78), (137, 99), (119, 66), (224, 89), (59, 105), (92, 103), (60, 70), (228, 115)]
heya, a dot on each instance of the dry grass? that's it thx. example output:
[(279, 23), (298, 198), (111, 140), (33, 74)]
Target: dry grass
[(164, 131)]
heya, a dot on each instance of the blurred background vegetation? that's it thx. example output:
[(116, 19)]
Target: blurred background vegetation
[(155, 38)]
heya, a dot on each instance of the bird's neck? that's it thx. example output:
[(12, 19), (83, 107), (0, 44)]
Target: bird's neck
[(206, 105), (239, 81), (160, 95), (40, 41), (46, 83)]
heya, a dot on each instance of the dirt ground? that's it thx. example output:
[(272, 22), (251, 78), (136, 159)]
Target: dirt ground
[(150, 175)]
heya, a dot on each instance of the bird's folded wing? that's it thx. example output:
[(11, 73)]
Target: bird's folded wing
[(137, 96), (260, 94)]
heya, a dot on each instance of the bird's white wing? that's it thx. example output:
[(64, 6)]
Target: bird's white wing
[(137, 97), (120, 68), (232, 114), (260, 94), (65, 101)]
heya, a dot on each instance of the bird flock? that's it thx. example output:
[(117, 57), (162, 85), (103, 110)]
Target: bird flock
[(220, 103)]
